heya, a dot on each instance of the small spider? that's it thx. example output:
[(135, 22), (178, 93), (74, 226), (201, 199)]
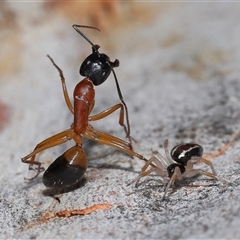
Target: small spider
[(177, 165)]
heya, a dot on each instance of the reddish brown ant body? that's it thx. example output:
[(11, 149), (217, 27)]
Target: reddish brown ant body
[(177, 165), (70, 167)]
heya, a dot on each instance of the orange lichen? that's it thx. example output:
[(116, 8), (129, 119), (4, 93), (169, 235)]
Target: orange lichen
[(100, 13), (104, 14), (68, 213), (223, 149), (84, 211)]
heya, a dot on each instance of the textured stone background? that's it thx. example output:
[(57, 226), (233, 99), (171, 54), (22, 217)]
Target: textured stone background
[(180, 77)]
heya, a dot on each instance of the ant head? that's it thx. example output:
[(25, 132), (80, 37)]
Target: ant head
[(97, 66)]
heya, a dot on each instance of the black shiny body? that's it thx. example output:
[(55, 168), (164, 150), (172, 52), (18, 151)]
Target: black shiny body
[(61, 174), (184, 152), (97, 66), (66, 170), (171, 168)]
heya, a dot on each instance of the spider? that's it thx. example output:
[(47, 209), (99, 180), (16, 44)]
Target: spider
[(177, 165)]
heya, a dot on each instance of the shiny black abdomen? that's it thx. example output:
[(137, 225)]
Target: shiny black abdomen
[(61, 174), (184, 152)]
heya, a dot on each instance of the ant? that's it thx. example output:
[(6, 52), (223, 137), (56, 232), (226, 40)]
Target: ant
[(68, 169), (177, 165)]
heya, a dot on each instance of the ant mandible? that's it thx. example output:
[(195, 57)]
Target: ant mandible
[(177, 165), (70, 167)]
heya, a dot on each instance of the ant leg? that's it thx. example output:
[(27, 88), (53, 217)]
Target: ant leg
[(45, 144), (112, 141), (121, 98), (177, 174), (109, 140), (53, 141), (109, 111), (64, 87)]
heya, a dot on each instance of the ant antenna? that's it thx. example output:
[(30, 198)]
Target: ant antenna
[(121, 98), (76, 27)]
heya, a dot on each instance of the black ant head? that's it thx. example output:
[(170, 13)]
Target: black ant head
[(97, 66)]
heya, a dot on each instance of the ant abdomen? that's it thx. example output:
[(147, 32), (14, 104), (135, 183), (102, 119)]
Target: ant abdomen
[(66, 170)]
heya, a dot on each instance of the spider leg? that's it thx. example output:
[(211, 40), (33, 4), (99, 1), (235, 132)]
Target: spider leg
[(207, 162), (176, 175)]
